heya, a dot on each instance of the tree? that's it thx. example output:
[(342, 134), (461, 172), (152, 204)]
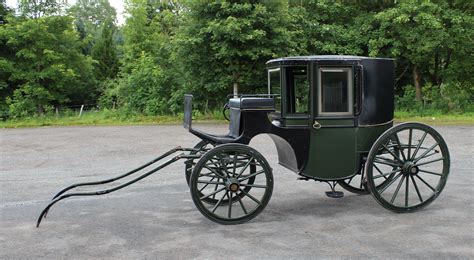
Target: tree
[(224, 45), (149, 80), (426, 34), (89, 18), (4, 11), (104, 51), (39, 8), (45, 66)]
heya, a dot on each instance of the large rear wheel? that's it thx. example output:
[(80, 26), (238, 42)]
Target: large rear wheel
[(413, 178)]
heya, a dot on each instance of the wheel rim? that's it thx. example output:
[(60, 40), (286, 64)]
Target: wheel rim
[(235, 176), (415, 176)]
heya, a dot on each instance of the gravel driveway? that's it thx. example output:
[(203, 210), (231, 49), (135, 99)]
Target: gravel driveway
[(156, 218)]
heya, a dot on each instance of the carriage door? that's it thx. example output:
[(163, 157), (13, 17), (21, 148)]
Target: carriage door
[(332, 149)]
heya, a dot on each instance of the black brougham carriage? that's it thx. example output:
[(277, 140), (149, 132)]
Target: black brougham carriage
[(331, 119)]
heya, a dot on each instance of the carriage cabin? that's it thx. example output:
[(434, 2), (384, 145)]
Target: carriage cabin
[(344, 102)]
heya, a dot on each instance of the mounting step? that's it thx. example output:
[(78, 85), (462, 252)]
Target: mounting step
[(335, 194)]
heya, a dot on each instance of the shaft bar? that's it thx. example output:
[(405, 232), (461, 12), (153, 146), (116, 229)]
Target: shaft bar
[(60, 197)]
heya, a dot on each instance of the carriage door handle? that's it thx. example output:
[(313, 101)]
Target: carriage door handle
[(316, 125)]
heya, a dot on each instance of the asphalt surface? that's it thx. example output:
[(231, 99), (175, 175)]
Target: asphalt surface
[(156, 218)]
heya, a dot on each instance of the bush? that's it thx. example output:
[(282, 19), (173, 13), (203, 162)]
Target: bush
[(29, 100), (453, 97)]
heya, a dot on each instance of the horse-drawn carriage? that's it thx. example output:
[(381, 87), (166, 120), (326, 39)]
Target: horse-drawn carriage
[(331, 119)]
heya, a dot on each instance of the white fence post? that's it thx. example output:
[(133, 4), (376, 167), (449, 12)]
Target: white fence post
[(80, 111)]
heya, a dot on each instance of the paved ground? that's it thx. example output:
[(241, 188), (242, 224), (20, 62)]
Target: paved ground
[(157, 218)]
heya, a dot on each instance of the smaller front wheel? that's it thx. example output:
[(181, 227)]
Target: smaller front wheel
[(223, 175)]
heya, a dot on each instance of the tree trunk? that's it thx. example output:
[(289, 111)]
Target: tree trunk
[(236, 89), (416, 82)]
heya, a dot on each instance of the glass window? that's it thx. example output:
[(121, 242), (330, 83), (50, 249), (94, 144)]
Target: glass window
[(274, 87), (297, 86), (335, 91)]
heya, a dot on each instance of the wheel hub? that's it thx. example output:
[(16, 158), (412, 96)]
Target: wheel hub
[(232, 184), (410, 168)]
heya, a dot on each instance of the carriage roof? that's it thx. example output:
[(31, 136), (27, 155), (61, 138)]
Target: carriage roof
[(374, 82)]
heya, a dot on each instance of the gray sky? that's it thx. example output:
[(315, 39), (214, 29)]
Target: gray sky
[(117, 4)]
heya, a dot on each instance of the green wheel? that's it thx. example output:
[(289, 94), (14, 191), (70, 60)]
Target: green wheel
[(224, 174), (414, 177), (203, 147)]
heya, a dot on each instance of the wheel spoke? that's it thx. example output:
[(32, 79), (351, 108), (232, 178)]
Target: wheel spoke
[(215, 189), (396, 191), (400, 147), (251, 197), (431, 154), (235, 165), (209, 174), (406, 191), (361, 178), (430, 172), (214, 192), (350, 179), (200, 190), (218, 203), (393, 154), (419, 145), (389, 183), (245, 167), (242, 205), (214, 171), (253, 185), (251, 175), (410, 133), (210, 182), (386, 174), (230, 204), (428, 162), (378, 176), (425, 153), (433, 189), (386, 162), (416, 188)]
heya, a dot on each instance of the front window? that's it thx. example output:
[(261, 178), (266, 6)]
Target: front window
[(335, 91), (274, 87)]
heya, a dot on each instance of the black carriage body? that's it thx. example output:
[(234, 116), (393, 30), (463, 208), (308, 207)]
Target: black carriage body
[(310, 141)]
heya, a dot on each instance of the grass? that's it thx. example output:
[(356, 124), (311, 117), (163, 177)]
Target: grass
[(436, 118), (112, 117), (106, 117)]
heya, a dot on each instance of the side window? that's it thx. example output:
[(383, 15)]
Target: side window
[(297, 87), (335, 91), (274, 87)]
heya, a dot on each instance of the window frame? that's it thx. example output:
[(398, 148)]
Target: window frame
[(350, 90), (279, 95), (288, 95)]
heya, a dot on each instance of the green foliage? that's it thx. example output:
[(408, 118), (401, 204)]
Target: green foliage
[(149, 78), (104, 51), (39, 8), (144, 87), (42, 64), (450, 97), (49, 57), (90, 17), (226, 43)]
